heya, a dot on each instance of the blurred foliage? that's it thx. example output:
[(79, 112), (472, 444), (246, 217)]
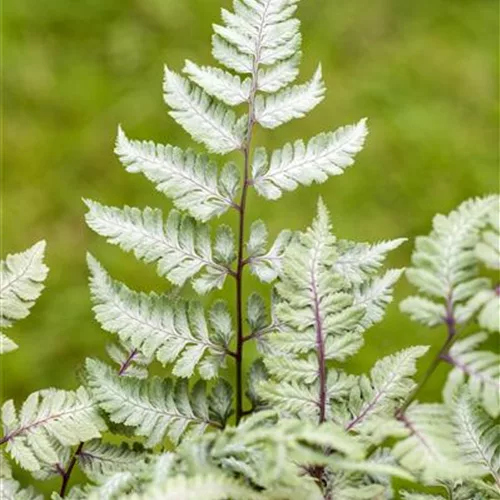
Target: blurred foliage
[(424, 72)]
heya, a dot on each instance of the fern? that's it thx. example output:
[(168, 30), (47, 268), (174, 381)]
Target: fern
[(21, 283), (445, 267), (307, 429), (156, 407), (479, 369), (48, 420), (477, 435)]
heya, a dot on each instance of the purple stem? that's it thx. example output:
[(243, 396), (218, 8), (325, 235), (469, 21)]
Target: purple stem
[(126, 364), (66, 474)]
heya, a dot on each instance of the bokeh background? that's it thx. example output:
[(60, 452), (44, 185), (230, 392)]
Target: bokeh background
[(424, 72)]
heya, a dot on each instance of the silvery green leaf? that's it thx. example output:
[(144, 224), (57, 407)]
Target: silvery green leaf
[(219, 84), (190, 179), (224, 247), (300, 164), (205, 119), (21, 283), (276, 77), (294, 102)]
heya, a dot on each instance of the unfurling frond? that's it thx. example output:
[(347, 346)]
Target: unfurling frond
[(445, 265), (48, 420), (157, 407), (477, 435), (430, 450), (190, 179), (21, 283), (205, 119), (302, 164), (173, 330), (479, 370), (294, 102), (181, 247), (389, 384)]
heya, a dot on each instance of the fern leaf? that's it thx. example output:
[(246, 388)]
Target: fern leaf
[(389, 384), (258, 32), (190, 179), (375, 295), (444, 264), (430, 450), (181, 247), (21, 283), (174, 330), (219, 84), (266, 265), (206, 120), (153, 407), (49, 419), (294, 102), (325, 155), (98, 459), (214, 486), (477, 436), (479, 370), (488, 248), (276, 77), (357, 262), (131, 362), (10, 489)]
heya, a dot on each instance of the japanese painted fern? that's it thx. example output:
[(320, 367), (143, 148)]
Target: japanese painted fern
[(297, 424)]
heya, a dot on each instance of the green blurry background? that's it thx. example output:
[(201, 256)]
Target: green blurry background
[(424, 72)]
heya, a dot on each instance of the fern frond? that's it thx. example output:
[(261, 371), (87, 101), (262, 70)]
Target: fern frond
[(259, 32), (10, 489), (190, 179), (430, 451), (131, 362), (98, 459), (477, 435), (444, 263), (181, 247), (389, 384), (207, 121), (154, 407), (479, 370), (266, 265), (219, 84), (293, 102), (173, 330), (49, 419), (375, 296), (358, 262), (299, 164), (109, 488), (213, 486), (488, 248), (276, 77), (21, 283)]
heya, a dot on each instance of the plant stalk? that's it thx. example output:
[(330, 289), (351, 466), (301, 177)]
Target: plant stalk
[(241, 339), (451, 325), (66, 475)]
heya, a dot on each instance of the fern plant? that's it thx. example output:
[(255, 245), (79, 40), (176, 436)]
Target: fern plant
[(297, 424)]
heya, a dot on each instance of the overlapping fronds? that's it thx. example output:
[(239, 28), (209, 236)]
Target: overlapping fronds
[(21, 283)]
